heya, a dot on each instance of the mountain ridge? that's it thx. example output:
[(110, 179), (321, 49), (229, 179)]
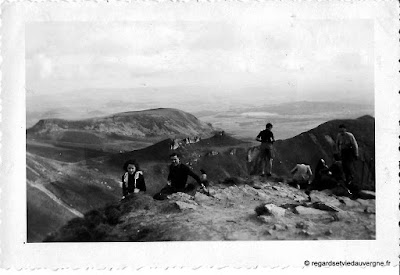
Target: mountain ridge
[(222, 156)]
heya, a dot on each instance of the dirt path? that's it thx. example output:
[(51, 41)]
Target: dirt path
[(54, 198)]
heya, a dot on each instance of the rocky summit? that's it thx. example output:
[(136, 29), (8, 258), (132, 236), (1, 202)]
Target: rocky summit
[(251, 209)]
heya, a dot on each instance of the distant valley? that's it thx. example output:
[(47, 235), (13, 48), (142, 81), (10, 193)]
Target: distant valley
[(241, 117)]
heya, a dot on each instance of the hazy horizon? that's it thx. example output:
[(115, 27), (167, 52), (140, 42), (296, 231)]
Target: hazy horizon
[(256, 60), (87, 69)]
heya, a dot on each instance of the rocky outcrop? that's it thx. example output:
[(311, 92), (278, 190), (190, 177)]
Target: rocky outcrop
[(227, 215)]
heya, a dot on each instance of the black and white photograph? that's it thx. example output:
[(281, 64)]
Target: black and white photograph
[(208, 124), (233, 130)]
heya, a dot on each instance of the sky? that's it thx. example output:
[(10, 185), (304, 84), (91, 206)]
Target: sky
[(238, 60)]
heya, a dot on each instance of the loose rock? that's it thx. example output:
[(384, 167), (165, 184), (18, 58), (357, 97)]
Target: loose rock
[(302, 225), (369, 210), (301, 210), (365, 194), (183, 205), (279, 227), (326, 207), (271, 210)]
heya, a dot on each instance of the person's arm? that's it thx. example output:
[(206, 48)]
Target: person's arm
[(169, 176), (309, 170), (192, 174), (141, 184), (272, 137), (354, 143), (293, 170), (124, 187), (258, 138), (337, 144)]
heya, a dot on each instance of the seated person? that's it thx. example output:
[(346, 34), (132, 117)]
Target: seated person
[(301, 176), (133, 179), (177, 178), (328, 178), (324, 178)]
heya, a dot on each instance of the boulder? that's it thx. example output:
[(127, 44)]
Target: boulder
[(264, 219), (256, 186), (323, 196), (270, 210), (301, 210), (366, 195), (369, 210), (183, 205), (305, 233), (302, 225), (349, 202), (279, 227), (366, 202), (325, 206), (179, 196), (200, 197)]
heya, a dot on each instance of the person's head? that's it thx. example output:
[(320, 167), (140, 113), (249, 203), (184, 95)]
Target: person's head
[(174, 159), (131, 166), (268, 126), (342, 128)]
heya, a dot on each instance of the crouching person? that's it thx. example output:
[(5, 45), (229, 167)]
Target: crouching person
[(177, 178), (133, 179), (301, 176)]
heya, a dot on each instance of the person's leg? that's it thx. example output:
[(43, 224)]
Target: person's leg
[(263, 164), (269, 166), (347, 169), (270, 156)]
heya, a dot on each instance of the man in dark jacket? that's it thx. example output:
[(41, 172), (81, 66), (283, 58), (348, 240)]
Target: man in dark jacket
[(178, 174), (177, 178)]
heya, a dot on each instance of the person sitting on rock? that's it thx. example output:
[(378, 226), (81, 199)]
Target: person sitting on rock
[(301, 176), (323, 176), (177, 178), (328, 178), (336, 169), (133, 179)]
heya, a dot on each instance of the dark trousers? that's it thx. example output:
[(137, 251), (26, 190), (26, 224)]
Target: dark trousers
[(348, 165)]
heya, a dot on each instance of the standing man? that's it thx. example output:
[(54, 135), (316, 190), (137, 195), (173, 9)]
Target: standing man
[(266, 137), (347, 148)]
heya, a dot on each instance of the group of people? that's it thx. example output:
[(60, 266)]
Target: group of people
[(341, 172), (133, 180)]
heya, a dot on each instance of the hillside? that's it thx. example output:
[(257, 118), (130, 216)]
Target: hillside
[(92, 180)]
